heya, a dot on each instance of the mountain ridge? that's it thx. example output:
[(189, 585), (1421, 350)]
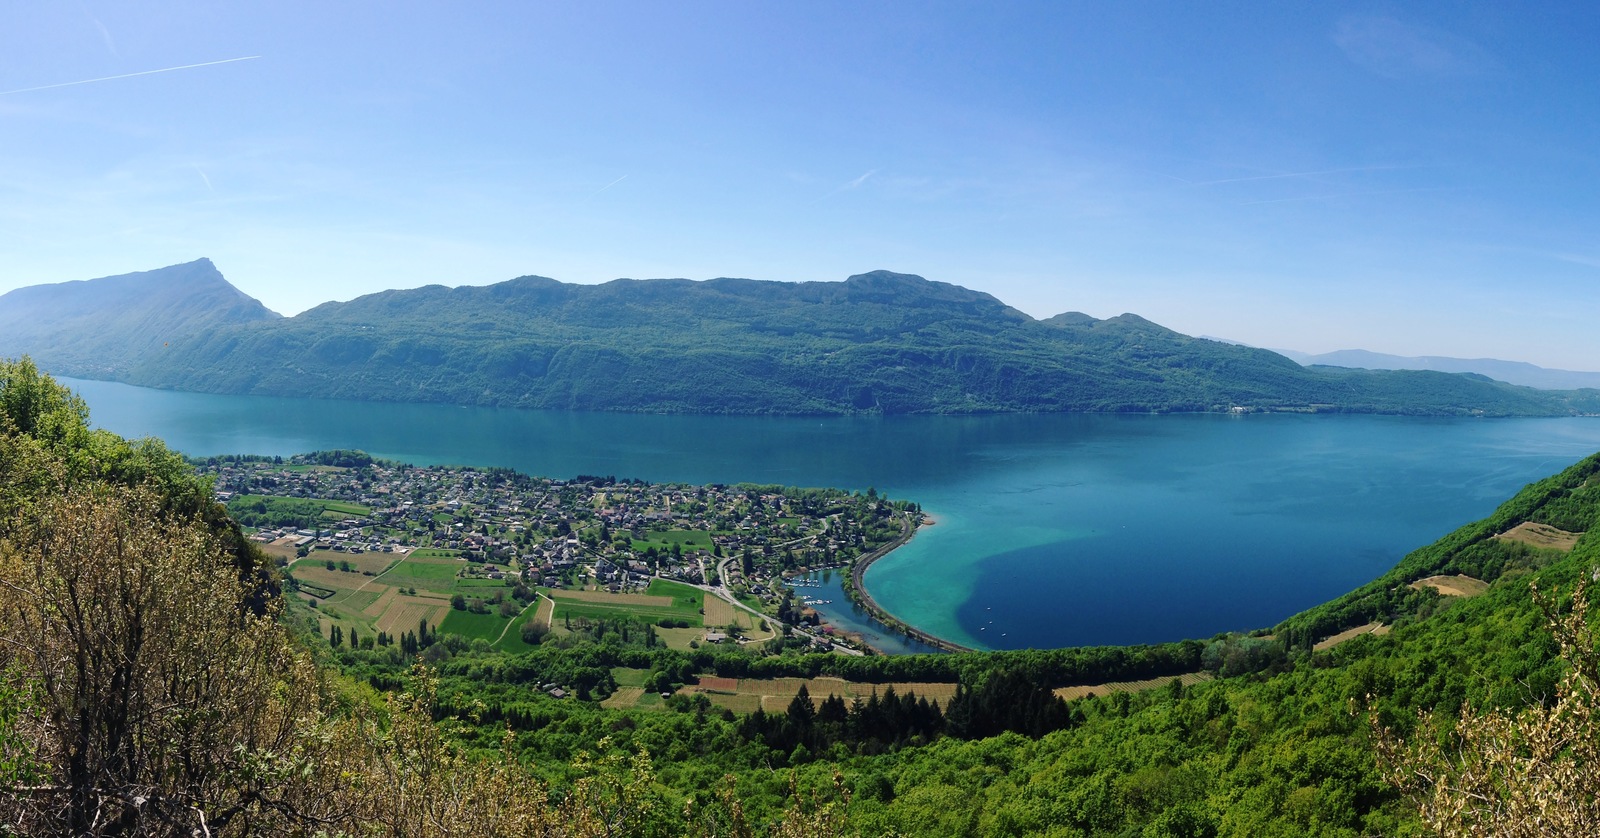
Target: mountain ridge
[(879, 342), (1512, 372), (104, 324)]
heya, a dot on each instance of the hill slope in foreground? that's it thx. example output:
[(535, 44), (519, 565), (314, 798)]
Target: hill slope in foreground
[(171, 691), (876, 342)]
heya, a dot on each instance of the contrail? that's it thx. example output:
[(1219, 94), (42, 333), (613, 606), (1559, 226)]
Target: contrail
[(858, 181), (847, 187), (613, 183), (127, 75)]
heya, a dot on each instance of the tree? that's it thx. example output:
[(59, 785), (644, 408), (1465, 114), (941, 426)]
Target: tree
[(533, 632), (1528, 773), (157, 686), (458, 602), (801, 711)]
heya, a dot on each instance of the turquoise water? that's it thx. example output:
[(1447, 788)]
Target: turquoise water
[(826, 590), (1052, 530)]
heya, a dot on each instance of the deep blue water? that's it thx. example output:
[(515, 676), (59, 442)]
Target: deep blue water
[(1053, 529)]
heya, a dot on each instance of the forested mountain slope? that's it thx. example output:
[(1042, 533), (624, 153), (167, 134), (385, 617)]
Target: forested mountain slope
[(877, 342), (99, 328)]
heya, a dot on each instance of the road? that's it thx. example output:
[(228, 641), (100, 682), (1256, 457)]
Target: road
[(721, 592)]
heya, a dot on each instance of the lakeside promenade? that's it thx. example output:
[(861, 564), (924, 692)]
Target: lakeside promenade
[(908, 528)]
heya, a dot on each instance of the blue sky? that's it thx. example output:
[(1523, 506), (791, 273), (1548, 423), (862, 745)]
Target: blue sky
[(1406, 178)]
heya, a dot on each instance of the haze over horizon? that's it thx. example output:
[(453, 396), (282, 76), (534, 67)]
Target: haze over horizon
[(1414, 181)]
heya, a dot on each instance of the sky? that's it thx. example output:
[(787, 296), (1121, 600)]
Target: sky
[(1412, 178)]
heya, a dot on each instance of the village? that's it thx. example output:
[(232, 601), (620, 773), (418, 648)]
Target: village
[(748, 544)]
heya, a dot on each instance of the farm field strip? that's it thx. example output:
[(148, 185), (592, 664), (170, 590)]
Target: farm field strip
[(407, 613), (1541, 535), (1188, 679), (1461, 586), (719, 612), (648, 600), (745, 695), (623, 697), (603, 611), (1350, 634), (386, 600)]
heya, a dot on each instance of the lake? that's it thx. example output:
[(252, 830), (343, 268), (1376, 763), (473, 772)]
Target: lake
[(1052, 530)]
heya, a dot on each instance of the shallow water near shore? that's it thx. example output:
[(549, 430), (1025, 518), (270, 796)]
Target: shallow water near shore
[(845, 615), (1053, 530)]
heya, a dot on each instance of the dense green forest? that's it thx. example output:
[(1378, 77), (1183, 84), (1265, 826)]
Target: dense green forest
[(157, 681), (879, 342)]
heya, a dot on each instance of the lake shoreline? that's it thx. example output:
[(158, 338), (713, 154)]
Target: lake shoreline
[(856, 588), (1045, 521)]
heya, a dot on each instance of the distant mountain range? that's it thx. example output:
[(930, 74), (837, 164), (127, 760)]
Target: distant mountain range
[(1511, 372), (879, 342)]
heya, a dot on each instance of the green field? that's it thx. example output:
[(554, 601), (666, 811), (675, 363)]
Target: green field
[(434, 575), (469, 583), (512, 641), (626, 677), (683, 596), (663, 541), (467, 624), (432, 553), (337, 508), (566, 608), (663, 600)]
